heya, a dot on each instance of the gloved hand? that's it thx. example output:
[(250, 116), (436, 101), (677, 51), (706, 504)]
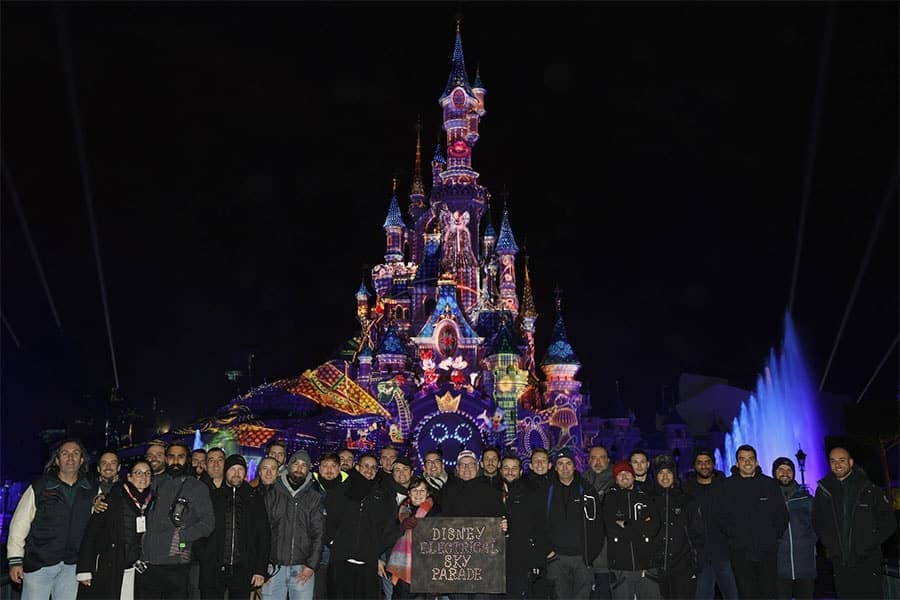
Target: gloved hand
[(409, 523)]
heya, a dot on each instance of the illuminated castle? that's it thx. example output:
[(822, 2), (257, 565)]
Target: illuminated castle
[(445, 354)]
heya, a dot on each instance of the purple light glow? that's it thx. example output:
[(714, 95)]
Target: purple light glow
[(781, 415)]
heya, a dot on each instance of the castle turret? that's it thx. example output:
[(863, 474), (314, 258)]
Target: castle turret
[(394, 229), (437, 165), (507, 250), (562, 391), (362, 304)]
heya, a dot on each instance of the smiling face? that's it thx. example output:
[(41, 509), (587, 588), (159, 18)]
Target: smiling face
[(565, 469), (784, 474), (746, 460), (665, 479), (329, 469), (401, 473), (434, 465), (235, 475), (625, 480), (510, 469), (540, 463), (346, 460), (840, 462), (108, 466), (156, 456), (140, 475), (367, 467), (704, 466), (418, 494)]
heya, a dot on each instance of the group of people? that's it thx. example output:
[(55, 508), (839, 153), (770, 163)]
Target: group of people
[(343, 528)]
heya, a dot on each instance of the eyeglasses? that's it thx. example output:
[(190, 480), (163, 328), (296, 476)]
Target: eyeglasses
[(467, 465), (142, 473)]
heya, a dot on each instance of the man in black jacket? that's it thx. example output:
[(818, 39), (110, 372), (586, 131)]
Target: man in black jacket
[(852, 518), (706, 485), (239, 545), (297, 522), (526, 543), (575, 529), (365, 515), (754, 517), (631, 522)]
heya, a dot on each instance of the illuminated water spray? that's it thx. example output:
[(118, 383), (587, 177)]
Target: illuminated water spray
[(781, 414)]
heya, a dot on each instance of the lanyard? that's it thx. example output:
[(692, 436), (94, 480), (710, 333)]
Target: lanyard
[(137, 504)]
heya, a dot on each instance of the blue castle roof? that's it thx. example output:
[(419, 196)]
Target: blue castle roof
[(363, 290), (391, 344), (506, 243), (446, 303), (458, 77), (489, 231), (560, 351), (439, 155), (394, 216)]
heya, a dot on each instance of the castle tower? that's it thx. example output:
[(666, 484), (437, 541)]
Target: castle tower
[(418, 206), (362, 304), (457, 197), (394, 229), (562, 392), (507, 250)]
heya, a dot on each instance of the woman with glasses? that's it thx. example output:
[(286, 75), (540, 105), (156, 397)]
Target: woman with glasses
[(417, 505), (112, 541)]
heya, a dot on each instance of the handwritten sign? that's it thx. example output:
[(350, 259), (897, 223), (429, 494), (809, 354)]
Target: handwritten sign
[(459, 555)]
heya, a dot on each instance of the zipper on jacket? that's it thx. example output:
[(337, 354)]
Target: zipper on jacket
[(791, 546), (633, 513), (233, 519)]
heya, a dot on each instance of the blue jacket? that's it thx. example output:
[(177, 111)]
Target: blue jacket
[(797, 548)]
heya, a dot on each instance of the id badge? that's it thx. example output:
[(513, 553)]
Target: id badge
[(141, 524)]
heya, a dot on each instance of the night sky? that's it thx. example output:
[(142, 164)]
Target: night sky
[(240, 157)]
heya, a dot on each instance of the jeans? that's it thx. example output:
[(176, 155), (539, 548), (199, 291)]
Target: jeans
[(627, 585), (600, 590), (571, 578), (755, 578), (284, 584), (716, 572), (57, 581)]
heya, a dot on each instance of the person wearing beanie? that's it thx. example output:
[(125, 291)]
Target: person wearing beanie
[(631, 523), (705, 484), (677, 544), (754, 515), (295, 506), (238, 549), (797, 549), (576, 529)]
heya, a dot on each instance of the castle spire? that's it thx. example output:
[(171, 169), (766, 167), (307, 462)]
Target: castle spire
[(560, 350), (394, 227), (418, 188), (458, 77), (528, 308)]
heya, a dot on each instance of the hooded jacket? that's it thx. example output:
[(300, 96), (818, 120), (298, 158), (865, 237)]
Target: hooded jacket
[(868, 524), (297, 522), (630, 547), (753, 514)]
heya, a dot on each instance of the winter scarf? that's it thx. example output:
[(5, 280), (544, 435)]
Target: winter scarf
[(400, 562)]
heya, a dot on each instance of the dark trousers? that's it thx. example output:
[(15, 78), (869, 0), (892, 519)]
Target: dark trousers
[(208, 574), (162, 581), (801, 589), (859, 581), (677, 585), (234, 579), (347, 580), (755, 578), (600, 589)]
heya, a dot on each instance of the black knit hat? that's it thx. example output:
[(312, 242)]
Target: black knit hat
[(235, 459), (664, 461), (782, 460)]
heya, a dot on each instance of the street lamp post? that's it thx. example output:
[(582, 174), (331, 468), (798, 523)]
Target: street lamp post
[(801, 462)]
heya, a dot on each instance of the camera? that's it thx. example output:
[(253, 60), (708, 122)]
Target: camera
[(178, 511), (140, 566)]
